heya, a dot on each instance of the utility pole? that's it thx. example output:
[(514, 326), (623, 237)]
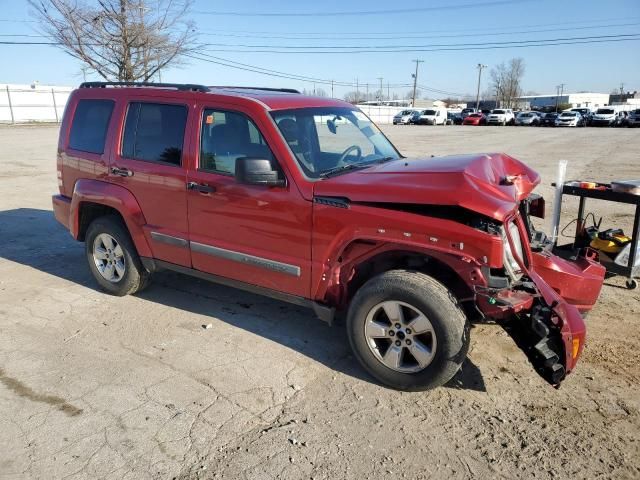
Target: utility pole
[(381, 90), (332, 89), (367, 97), (357, 91), (415, 81), (388, 92), (480, 67), (621, 91), (559, 93)]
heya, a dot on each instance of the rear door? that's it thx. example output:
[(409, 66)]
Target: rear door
[(150, 161), (255, 234)]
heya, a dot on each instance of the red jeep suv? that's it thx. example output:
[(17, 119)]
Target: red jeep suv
[(305, 200)]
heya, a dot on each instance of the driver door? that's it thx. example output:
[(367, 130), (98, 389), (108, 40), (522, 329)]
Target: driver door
[(255, 234)]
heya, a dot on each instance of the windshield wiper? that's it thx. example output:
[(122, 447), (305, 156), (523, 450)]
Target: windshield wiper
[(355, 166), (344, 168)]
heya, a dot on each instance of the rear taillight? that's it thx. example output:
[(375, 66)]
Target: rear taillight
[(59, 174)]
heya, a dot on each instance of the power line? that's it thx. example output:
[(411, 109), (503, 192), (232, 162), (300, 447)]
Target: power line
[(277, 74), (405, 47), (377, 35), (497, 46), (448, 30), (461, 6)]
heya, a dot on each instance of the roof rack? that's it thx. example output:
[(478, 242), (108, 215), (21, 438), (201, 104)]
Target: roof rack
[(230, 87), (177, 86)]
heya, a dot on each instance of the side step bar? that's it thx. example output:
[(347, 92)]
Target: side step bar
[(324, 313)]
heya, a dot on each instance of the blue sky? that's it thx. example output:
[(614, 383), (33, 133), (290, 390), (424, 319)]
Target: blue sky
[(584, 67)]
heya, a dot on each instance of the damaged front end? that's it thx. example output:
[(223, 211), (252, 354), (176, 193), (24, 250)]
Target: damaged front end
[(544, 325)]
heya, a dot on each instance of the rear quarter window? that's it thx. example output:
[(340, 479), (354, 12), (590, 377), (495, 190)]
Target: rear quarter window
[(89, 125)]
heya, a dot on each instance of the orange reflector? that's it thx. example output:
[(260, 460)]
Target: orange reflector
[(576, 347)]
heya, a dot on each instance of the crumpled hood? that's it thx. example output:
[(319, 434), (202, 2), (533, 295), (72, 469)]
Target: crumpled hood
[(490, 184)]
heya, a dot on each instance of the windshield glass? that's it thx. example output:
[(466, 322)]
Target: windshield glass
[(327, 138), (498, 111), (568, 114), (475, 115), (605, 111), (429, 112)]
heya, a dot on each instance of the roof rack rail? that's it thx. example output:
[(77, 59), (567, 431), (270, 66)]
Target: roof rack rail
[(267, 89), (177, 86)]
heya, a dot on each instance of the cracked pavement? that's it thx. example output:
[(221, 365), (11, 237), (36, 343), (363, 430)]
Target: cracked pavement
[(94, 386)]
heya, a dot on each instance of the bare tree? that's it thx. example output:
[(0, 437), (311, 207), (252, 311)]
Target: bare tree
[(506, 82), (123, 40)]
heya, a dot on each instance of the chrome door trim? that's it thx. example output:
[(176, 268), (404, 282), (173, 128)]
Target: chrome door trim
[(169, 239), (246, 258)]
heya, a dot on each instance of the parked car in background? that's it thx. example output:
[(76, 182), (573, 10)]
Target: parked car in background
[(454, 118), (467, 111), (570, 119), (531, 119), (403, 117), (586, 114), (604, 117), (634, 118), (622, 119), (475, 119), (501, 116), (430, 116), (548, 119)]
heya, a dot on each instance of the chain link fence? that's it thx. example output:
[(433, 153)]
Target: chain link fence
[(32, 103)]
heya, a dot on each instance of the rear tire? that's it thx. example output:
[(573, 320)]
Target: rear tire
[(112, 257), (430, 338)]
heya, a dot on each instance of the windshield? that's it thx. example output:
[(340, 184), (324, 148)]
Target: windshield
[(475, 115), (498, 111), (327, 138), (568, 114), (525, 115), (605, 111), (429, 112)]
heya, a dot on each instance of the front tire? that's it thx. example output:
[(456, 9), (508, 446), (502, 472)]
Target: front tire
[(407, 330), (112, 257)]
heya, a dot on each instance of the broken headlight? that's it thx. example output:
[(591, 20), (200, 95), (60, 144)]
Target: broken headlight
[(511, 257)]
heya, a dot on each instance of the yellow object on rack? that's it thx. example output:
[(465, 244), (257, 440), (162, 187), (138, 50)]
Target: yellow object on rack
[(610, 242)]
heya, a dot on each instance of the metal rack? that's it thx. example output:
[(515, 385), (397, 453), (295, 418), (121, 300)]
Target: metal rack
[(603, 192)]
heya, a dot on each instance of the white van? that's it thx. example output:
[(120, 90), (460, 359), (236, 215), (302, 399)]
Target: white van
[(431, 116)]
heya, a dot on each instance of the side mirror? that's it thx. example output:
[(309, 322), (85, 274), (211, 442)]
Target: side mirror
[(331, 125), (257, 171)]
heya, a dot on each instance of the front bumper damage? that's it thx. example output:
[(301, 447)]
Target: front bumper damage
[(550, 331)]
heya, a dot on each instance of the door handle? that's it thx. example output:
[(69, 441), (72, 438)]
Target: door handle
[(123, 172), (200, 187)]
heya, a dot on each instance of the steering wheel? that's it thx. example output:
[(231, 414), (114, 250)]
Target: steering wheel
[(345, 154)]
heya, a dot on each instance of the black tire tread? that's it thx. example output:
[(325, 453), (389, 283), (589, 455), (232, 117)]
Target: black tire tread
[(457, 327), (136, 277)]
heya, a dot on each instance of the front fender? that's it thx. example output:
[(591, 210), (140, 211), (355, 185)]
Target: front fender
[(116, 197)]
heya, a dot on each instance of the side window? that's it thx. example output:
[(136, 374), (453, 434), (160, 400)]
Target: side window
[(89, 125), (227, 136), (154, 132)]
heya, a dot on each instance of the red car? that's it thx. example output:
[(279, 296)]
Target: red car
[(475, 119), (305, 200)]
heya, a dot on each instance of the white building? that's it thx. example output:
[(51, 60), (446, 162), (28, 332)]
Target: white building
[(32, 103), (577, 100)]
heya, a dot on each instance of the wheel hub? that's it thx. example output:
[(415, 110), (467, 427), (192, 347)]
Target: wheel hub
[(400, 336), (108, 257)]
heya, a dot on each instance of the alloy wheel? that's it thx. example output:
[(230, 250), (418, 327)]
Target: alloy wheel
[(400, 336), (108, 257)]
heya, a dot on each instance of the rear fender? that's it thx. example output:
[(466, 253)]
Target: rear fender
[(116, 197)]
